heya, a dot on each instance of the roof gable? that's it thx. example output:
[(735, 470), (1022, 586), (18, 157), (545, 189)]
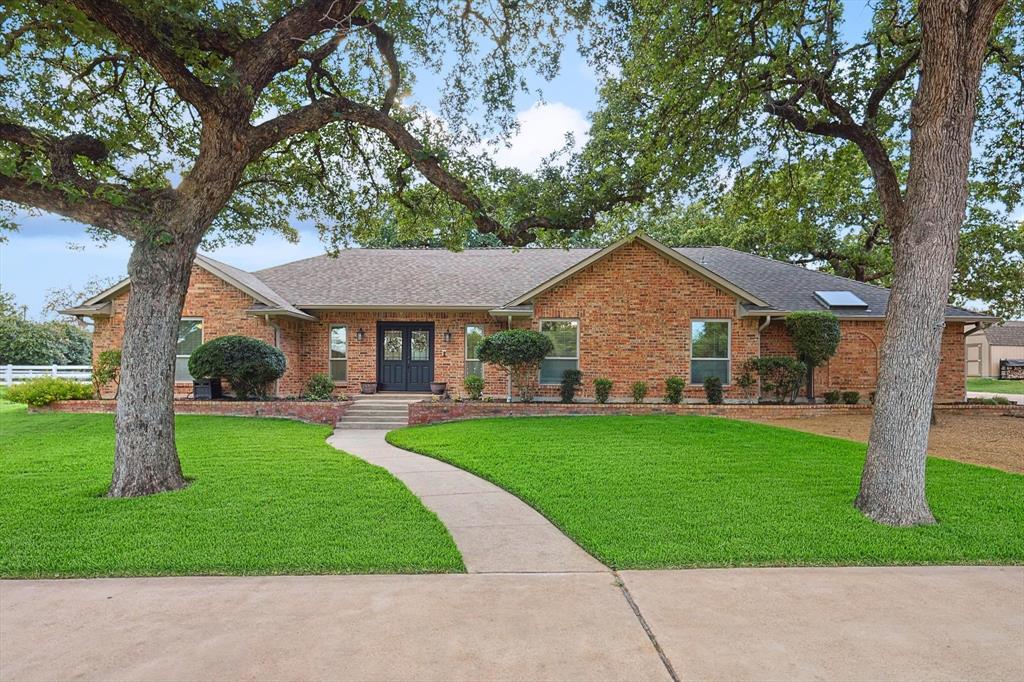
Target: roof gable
[(270, 301), (673, 255)]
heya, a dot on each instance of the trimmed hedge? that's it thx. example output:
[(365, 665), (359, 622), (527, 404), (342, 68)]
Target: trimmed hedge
[(46, 390)]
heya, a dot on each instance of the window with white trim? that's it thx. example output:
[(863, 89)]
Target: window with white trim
[(339, 353), (474, 335), (709, 350), (190, 337), (565, 337)]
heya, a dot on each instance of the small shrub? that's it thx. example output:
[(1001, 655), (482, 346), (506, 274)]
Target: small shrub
[(674, 390), (572, 379), (107, 370), (833, 397), (780, 375), (319, 387), (639, 390), (745, 381), (981, 401), (851, 397), (247, 363), (713, 390), (602, 389), (46, 390), (474, 385), (1000, 400), (488, 399)]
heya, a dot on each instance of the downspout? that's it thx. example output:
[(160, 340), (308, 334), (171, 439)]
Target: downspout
[(508, 379), (277, 344), (767, 321)]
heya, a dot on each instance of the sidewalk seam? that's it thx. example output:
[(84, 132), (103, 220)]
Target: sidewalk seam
[(647, 628)]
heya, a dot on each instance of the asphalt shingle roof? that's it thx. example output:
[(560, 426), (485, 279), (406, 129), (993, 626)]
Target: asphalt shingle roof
[(1010, 333), (490, 278)]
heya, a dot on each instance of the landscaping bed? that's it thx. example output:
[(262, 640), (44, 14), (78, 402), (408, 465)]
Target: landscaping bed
[(312, 411), (266, 496), (987, 438), (677, 491), (431, 412)]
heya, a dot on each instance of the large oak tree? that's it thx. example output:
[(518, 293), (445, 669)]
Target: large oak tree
[(184, 122), (698, 89)]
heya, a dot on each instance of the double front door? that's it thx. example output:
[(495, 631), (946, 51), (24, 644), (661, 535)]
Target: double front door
[(405, 356)]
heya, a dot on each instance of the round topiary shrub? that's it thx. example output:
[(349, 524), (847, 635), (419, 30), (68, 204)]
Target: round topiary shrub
[(248, 364), (519, 352)]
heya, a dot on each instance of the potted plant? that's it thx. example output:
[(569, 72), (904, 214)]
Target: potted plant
[(367, 387), (438, 387)]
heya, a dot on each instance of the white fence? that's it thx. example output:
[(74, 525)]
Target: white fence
[(13, 374)]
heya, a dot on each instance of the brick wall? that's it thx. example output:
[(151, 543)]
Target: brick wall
[(429, 412), (855, 365), (221, 306), (305, 411), (635, 306)]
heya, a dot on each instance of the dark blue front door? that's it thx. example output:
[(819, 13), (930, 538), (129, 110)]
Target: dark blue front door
[(405, 355)]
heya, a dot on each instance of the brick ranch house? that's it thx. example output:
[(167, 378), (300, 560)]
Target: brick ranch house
[(636, 310)]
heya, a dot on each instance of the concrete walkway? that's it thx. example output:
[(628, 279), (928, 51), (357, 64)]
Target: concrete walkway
[(923, 623), (495, 530)]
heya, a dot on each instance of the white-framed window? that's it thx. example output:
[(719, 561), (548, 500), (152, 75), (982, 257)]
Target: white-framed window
[(710, 341), (338, 356), (565, 337), (190, 337), (474, 335)]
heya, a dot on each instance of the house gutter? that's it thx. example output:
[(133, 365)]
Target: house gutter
[(978, 326), (277, 344)]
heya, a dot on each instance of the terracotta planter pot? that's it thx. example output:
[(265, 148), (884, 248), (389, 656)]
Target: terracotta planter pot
[(438, 387), (368, 387)]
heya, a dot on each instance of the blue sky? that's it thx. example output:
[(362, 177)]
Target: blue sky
[(49, 251)]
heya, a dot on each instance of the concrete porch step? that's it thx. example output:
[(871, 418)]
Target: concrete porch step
[(386, 426), (364, 417)]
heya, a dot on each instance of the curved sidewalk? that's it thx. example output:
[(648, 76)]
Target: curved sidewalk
[(495, 530)]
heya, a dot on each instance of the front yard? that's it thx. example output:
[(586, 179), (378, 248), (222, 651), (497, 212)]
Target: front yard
[(675, 491), (267, 496), (1008, 386)]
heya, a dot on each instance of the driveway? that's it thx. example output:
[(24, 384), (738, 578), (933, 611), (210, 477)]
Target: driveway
[(897, 623)]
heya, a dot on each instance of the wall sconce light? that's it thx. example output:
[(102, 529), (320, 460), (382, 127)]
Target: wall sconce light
[(447, 335), (360, 335)]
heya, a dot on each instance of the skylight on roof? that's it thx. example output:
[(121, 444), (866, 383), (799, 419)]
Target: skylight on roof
[(840, 299)]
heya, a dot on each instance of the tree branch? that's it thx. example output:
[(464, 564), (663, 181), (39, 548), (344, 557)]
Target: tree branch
[(386, 46), (885, 84), (278, 48), (84, 209), (134, 32)]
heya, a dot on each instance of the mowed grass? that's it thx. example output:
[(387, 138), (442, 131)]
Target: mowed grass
[(677, 491), (1009, 386), (267, 496)]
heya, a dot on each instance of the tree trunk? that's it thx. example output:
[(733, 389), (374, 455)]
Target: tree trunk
[(810, 383), (892, 489), (146, 459)]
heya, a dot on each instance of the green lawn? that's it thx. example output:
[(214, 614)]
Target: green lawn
[(267, 496), (668, 491), (1011, 386)]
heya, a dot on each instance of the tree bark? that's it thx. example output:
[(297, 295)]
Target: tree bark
[(925, 240), (145, 458)]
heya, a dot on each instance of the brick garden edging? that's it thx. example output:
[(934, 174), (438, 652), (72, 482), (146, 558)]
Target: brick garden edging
[(428, 412), (306, 411)]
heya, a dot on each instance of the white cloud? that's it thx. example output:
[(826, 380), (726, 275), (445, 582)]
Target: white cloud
[(542, 130)]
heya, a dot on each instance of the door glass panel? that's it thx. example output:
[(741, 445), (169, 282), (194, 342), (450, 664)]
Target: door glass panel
[(420, 346), (392, 344)]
